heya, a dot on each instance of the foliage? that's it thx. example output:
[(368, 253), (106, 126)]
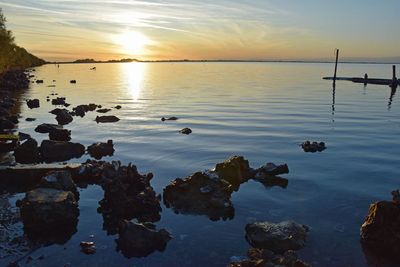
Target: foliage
[(11, 55)]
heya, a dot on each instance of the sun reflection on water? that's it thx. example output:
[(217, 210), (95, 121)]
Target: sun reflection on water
[(134, 75)]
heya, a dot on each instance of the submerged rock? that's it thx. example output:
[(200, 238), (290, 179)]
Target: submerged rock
[(140, 240), (169, 119), (33, 103), (380, 232), (105, 119), (277, 237), (49, 214), (313, 147), (27, 152), (100, 150), (53, 151), (103, 110), (186, 131)]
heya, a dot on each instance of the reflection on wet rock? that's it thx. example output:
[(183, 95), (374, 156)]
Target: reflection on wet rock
[(208, 193), (49, 215), (140, 240), (380, 231)]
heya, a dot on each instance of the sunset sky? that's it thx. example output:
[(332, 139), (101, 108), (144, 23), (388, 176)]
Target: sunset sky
[(206, 29)]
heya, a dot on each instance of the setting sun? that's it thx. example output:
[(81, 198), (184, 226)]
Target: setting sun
[(133, 42)]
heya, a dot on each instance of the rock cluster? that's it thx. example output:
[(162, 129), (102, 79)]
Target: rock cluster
[(313, 146), (208, 193)]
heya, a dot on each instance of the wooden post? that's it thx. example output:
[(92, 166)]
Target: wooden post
[(394, 73), (336, 62)]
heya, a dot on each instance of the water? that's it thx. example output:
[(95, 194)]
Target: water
[(259, 110)]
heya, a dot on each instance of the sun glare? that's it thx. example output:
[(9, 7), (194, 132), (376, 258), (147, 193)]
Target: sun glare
[(133, 43)]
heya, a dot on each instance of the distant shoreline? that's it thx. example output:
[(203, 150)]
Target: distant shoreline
[(226, 61)]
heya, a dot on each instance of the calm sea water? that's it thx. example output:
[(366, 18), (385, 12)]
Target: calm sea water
[(259, 110)]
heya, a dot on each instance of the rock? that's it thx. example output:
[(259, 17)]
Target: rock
[(49, 213), (88, 247), (4, 112), (30, 119), (60, 135), (138, 240), (81, 110), (47, 128), (185, 131), (13, 119), (53, 151), (235, 170), (61, 180), (6, 124), (118, 107), (23, 136), (127, 195), (169, 119), (33, 103), (39, 81), (313, 147), (267, 175), (59, 101), (271, 169), (277, 237), (64, 117), (27, 152), (380, 231), (14, 80), (200, 194), (72, 81), (100, 150), (105, 119), (103, 110)]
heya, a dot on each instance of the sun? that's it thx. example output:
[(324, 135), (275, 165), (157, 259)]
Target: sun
[(133, 42)]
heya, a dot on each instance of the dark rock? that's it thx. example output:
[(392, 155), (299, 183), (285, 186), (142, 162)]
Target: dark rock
[(59, 101), (33, 103), (14, 80), (23, 136), (380, 231), (60, 135), (100, 150), (61, 180), (81, 110), (277, 237), (235, 170), (118, 107), (4, 112), (39, 81), (185, 131), (103, 110), (49, 215), (53, 151), (47, 128), (13, 119), (88, 247), (169, 119), (105, 119), (72, 81), (30, 119), (313, 147), (138, 240), (63, 117), (27, 152)]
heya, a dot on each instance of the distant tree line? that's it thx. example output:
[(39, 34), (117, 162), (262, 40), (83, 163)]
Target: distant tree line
[(12, 56)]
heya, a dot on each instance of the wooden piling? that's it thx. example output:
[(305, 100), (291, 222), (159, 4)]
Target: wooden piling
[(336, 62), (394, 73)]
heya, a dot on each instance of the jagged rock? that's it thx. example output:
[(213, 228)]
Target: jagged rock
[(277, 237), (103, 110), (127, 195), (6, 124), (105, 119), (169, 119), (33, 103), (47, 128), (186, 131), (100, 150), (49, 214), (60, 135), (235, 170), (313, 147), (380, 231), (53, 151), (27, 152), (140, 240)]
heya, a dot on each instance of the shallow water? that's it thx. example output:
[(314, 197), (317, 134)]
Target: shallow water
[(259, 110)]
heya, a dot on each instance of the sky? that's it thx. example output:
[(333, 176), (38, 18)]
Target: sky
[(61, 30)]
